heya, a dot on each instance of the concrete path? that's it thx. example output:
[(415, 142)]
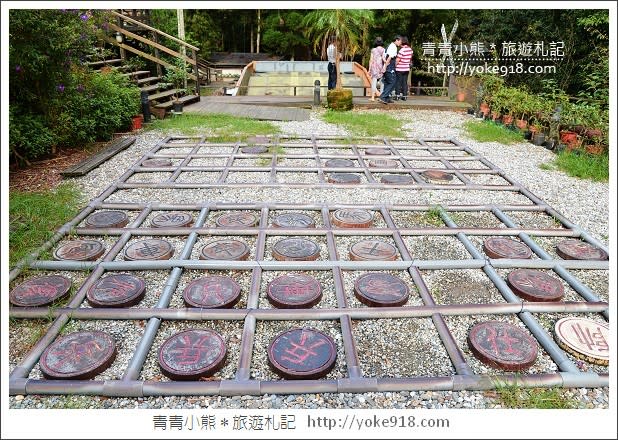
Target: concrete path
[(254, 111)]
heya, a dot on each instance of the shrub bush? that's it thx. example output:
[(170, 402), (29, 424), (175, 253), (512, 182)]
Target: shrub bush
[(29, 136), (339, 99), (97, 106), (53, 100)]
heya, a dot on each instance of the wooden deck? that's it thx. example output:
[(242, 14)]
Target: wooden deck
[(295, 108), (266, 111)]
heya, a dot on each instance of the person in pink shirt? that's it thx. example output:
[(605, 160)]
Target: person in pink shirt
[(376, 63), (402, 69)]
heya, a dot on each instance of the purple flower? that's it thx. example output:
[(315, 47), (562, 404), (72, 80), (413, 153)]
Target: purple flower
[(60, 87), (18, 68), (84, 17)]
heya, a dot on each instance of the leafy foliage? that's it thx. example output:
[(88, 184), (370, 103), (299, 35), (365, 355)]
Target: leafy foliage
[(105, 105), (28, 134), (53, 99), (281, 35), (350, 26)]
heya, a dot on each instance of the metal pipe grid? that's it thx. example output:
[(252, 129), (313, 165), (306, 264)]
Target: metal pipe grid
[(464, 378), (271, 166)]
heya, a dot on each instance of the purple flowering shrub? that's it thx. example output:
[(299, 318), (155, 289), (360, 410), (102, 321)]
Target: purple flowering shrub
[(53, 99)]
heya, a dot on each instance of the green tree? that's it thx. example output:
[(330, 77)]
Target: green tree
[(593, 77), (203, 30), (281, 35), (350, 26)]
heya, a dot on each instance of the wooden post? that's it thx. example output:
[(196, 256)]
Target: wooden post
[(181, 35), (197, 72), (156, 53), (123, 54), (338, 85), (259, 29)]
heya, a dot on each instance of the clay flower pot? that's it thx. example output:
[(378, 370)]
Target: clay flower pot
[(595, 149), (136, 122), (568, 137), (521, 124), (593, 133)]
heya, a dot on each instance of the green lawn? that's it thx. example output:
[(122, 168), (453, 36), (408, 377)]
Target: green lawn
[(487, 131), (222, 126), (365, 124), (584, 166), (34, 216)]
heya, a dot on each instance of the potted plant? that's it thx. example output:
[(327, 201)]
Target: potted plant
[(463, 86), (176, 75), (136, 122), (597, 133), (491, 84)]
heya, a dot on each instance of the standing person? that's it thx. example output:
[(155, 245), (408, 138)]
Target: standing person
[(402, 69), (332, 54), (388, 70), (376, 63)]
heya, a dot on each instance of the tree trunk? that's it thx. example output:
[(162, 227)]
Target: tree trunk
[(338, 86), (259, 30)]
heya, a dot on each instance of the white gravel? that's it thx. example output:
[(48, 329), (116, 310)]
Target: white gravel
[(385, 347)]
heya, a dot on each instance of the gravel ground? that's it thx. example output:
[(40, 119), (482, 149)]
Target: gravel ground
[(585, 203)]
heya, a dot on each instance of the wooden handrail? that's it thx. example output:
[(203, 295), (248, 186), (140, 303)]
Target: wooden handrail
[(150, 28), (192, 60), (147, 56), (151, 43)]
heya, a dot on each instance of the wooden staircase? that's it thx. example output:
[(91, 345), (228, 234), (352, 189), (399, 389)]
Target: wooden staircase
[(160, 94), (133, 32)]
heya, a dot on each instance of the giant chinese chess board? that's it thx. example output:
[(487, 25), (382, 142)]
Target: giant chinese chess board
[(271, 265)]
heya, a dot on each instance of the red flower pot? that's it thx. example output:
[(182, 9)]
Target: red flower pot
[(136, 122), (568, 137), (521, 123)]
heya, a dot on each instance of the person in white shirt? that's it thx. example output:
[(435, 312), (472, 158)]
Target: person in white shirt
[(390, 60), (332, 54)]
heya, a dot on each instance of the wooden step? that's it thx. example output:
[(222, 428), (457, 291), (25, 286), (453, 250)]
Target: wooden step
[(187, 99), (152, 87), (121, 68), (150, 79), (163, 94), (94, 161), (98, 64), (136, 74)]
